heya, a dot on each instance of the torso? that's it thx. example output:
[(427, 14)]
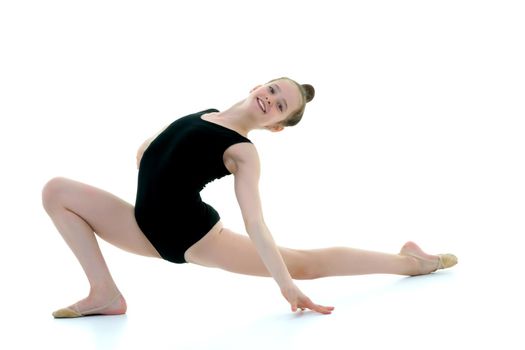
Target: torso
[(175, 167), (232, 153)]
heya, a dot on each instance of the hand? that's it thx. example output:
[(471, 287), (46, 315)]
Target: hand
[(139, 157), (298, 300), (141, 150)]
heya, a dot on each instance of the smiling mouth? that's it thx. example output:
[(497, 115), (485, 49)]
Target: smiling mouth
[(261, 104)]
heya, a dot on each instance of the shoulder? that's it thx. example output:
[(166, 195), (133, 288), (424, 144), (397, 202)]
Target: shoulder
[(241, 156)]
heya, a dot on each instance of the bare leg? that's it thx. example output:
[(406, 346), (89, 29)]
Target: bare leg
[(236, 253), (79, 210), (343, 261)]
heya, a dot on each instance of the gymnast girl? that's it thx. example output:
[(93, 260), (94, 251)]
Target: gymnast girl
[(171, 222)]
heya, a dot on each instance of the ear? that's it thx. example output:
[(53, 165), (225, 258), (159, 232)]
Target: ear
[(275, 128), (255, 88)]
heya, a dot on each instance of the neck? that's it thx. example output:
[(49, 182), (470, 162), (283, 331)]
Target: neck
[(237, 118)]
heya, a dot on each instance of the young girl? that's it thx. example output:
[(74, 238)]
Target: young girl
[(171, 222)]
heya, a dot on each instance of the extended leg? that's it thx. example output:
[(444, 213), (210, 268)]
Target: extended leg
[(236, 253)]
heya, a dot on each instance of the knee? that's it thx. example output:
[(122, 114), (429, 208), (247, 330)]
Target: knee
[(304, 267), (51, 192)]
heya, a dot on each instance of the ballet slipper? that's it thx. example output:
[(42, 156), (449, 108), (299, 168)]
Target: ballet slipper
[(72, 311), (444, 260), (67, 312)]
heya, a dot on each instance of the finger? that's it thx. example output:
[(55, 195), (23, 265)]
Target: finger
[(331, 308), (327, 309), (315, 308), (320, 308)]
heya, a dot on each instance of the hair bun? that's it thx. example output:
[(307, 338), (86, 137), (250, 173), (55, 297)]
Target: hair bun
[(309, 92)]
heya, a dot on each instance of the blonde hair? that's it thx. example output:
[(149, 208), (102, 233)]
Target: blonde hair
[(307, 93)]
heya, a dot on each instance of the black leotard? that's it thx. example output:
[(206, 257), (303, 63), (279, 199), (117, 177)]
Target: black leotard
[(173, 170)]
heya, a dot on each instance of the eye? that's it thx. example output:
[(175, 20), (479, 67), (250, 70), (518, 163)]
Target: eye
[(280, 106), (272, 90)]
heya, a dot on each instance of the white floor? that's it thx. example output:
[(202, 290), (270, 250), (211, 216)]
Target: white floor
[(415, 133), (478, 303)]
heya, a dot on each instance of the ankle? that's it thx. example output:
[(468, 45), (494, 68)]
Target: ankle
[(104, 290), (413, 265)]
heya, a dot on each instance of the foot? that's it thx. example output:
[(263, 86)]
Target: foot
[(94, 305), (427, 263)]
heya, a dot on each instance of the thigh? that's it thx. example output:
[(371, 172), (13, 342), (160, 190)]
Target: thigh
[(110, 217), (234, 252)]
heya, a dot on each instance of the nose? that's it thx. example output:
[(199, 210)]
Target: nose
[(268, 101)]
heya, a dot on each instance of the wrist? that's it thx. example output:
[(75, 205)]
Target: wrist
[(285, 286)]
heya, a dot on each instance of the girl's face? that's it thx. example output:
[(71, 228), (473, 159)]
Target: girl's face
[(273, 102)]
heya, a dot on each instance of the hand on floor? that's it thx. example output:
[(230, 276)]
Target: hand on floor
[(298, 300)]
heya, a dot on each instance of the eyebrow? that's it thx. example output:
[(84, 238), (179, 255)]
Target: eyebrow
[(284, 101)]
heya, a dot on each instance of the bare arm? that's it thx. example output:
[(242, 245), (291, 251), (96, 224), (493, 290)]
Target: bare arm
[(247, 173), (246, 169)]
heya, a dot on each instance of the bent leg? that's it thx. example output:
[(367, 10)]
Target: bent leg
[(236, 253), (110, 217), (78, 210)]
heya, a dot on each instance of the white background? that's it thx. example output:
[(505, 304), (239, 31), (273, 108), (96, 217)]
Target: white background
[(416, 133)]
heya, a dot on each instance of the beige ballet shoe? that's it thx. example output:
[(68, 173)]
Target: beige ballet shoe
[(446, 261), (67, 312), (72, 312)]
